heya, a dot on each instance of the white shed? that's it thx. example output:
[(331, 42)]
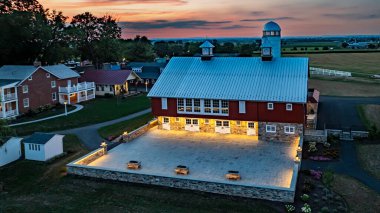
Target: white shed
[(43, 146), (10, 151)]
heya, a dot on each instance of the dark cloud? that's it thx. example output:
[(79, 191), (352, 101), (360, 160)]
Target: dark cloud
[(136, 1), (354, 16), (269, 19), (180, 24), (237, 26), (258, 13)]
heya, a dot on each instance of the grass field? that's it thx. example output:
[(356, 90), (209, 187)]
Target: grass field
[(339, 88), (129, 125), (359, 197), (368, 63), (95, 111), (31, 186)]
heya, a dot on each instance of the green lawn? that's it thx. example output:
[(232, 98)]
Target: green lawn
[(129, 125), (44, 187), (95, 111), (55, 111)]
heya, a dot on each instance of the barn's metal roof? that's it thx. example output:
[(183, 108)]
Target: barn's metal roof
[(234, 78)]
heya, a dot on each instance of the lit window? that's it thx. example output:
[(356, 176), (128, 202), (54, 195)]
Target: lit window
[(180, 105), (224, 107), (251, 125), (188, 121), (26, 102), (289, 129), (53, 85), (189, 105), (176, 119), (226, 123), (197, 105), (238, 123), (270, 106), (215, 106), (218, 123), (195, 121), (289, 107), (207, 121), (25, 89), (47, 75), (270, 128), (166, 120)]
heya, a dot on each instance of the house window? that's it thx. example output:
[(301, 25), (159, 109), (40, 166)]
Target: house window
[(189, 105), (131, 81), (147, 81), (166, 120), (47, 75), (241, 106), (289, 107), (30, 146), (219, 123), (289, 129), (53, 85), (188, 121), (30, 78), (251, 125), (270, 106), (226, 123), (207, 104), (38, 147), (197, 105), (25, 89), (176, 119), (26, 102), (54, 96), (164, 103), (207, 121), (224, 107), (238, 123), (180, 105), (215, 106), (270, 128), (195, 121)]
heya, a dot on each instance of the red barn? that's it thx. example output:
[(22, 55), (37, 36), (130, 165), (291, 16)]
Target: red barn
[(264, 97)]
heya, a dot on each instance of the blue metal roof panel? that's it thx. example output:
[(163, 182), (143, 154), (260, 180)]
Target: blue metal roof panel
[(230, 78)]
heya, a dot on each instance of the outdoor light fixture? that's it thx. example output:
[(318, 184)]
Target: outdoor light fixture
[(104, 146), (65, 102), (125, 133), (297, 159), (299, 149)]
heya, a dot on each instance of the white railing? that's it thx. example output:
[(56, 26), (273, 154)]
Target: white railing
[(80, 99), (8, 97), (91, 96), (79, 87), (321, 71), (9, 113)]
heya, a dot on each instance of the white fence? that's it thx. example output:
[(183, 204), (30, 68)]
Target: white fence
[(321, 71)]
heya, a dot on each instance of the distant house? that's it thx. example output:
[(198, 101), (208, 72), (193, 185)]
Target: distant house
[(43, 146), (147, 71), (10, 150), (24, 88), (110, 82), (312, 108), (111, 66)]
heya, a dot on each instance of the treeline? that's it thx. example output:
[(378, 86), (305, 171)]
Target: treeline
[(29, 32)]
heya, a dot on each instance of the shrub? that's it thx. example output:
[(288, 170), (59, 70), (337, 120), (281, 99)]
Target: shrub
[(316, 174), (305, 197), (328, 178), (312, 147), (290, 208), (306, 208), (327, 144), (325, 209), (306, 189)]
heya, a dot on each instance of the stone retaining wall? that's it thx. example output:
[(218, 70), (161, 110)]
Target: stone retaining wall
[(92, 156), (137, 132), (319, 136), (260, 192), (359, 134)]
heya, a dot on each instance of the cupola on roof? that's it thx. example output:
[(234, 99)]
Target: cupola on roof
[(207, 44), (271, 26)]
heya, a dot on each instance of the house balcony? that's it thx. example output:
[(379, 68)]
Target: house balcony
[(8, 97), (8, 114), (77, 88)]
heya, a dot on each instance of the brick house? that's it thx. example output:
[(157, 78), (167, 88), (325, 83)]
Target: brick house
[(24, 88), (263, 97)]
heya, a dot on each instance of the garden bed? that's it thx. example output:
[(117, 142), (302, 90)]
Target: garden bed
[(329, 151)]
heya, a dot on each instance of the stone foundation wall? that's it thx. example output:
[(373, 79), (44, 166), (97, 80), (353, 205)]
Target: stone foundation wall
[(267, 193), (280, 134), (319, 136), (92, 156)]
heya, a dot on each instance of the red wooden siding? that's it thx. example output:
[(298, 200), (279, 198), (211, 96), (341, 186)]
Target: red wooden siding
[(255, 111)]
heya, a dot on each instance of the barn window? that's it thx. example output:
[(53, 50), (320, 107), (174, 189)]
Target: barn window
[(164, 103), (270, 106), (289, 107), (270, 128), (289, 129)]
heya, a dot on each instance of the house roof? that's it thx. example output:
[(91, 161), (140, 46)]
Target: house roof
[(21, 72), (7, 82), (144, 64), (233, 78), (107, 77), (39, 138)]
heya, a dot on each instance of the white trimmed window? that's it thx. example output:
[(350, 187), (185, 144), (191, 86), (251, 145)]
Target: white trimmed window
[(26, 102), (270, 106), (189, 105), (47, 75), (207, 121), (30, 78), (289, 129), (270, 128), (251, 125), (25, 89), (166, 120), (241, 106), (131, 81), (180, 105), (53, 85), (164, 103), (219, 123), (207, 106), (238, 123), (54, 96), (198, 106), (289, 107), (177, 119)]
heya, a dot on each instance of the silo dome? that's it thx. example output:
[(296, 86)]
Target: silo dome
[(271, 26)]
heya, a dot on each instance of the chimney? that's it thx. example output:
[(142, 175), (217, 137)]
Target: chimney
[(207, 51)]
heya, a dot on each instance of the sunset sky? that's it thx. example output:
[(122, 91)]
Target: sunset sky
[(230, 18)]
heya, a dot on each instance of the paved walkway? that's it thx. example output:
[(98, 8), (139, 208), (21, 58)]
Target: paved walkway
[(78, 107), (89, 134), (347, 165)]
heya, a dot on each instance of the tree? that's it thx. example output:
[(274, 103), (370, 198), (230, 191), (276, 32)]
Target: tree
[(246, 50), (137, 50), (5, 131), (344, 44), (161, 48)]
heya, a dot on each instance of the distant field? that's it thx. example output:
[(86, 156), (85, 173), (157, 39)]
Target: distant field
[(337, 88), (355, 62)]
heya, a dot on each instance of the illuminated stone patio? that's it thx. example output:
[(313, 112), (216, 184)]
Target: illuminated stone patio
[(209, 156)]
